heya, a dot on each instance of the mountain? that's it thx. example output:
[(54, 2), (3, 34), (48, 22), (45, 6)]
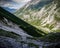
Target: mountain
[(10, 10), (43, 14), (34, 5)]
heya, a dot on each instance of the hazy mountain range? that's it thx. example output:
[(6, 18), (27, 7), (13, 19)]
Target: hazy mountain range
[(43, 14), (10, 10)]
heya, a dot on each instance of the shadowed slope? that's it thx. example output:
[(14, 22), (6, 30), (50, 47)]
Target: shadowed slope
[(25, 26)]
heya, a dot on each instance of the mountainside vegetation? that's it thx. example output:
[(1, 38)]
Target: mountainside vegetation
[(45, 15)]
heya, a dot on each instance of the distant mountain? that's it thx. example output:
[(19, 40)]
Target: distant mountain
[(34, 5), (10, 10), (43, 14)]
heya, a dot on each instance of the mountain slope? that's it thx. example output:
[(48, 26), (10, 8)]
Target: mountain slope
[(33, 5), (45, 17)]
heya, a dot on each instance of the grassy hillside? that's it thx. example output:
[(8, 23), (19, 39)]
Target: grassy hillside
[(46, 18)]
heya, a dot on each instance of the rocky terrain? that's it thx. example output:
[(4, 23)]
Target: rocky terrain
[(43, 14)]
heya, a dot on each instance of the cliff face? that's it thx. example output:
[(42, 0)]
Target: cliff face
[(43, 14)]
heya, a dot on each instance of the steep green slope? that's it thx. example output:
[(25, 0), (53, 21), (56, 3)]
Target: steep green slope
[(31, 30), (45, 18)]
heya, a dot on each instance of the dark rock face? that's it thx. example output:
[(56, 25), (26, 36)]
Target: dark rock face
[(57, 46), (6, 42)]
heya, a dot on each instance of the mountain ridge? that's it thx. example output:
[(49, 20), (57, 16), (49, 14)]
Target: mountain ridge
[(45, 18)]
